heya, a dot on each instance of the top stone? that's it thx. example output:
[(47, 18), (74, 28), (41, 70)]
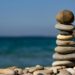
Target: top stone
[(65, 17)]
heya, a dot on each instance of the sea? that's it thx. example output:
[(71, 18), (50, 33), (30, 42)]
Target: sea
[(26, 51)]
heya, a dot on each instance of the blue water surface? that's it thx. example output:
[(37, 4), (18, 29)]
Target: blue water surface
[(26, 51)]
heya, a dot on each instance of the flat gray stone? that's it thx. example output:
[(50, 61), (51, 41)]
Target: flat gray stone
[(64, 50), (64, 27), (63, 63), (58, 56), (64, 43)]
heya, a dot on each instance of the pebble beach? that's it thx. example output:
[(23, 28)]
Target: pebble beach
[(38, 70)]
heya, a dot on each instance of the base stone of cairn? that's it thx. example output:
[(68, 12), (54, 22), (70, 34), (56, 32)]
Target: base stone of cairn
[(65, 50)]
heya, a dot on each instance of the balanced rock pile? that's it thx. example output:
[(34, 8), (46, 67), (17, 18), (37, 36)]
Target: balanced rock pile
[(65, 50)]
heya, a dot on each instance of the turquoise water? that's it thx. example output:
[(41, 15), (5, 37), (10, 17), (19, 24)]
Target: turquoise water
[(26, 51)]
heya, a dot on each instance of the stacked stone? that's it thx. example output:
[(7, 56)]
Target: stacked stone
[(65, 50)]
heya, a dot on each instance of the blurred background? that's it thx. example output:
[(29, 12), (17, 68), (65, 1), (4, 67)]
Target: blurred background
[(27, 33)]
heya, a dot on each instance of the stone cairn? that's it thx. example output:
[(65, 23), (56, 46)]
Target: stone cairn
[(65, 50)]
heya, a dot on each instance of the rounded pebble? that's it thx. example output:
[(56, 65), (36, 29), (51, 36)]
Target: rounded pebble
[(65, 17)]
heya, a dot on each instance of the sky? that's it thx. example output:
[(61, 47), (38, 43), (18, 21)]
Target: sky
[(31, 17)]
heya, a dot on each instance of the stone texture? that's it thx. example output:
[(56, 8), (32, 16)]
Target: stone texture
[(71, 70), (65, 32), (64, 37), (25, 71), (42, 72), (47, 70), (32, 69), (58, 56), (37, 67), (27, 74), (65, 43), (63, 63), (64, 50), (39, 73), (64, 27), (65, 17), (74, 67), (64, 72), (55, 69), (7, 72), (18, 71)]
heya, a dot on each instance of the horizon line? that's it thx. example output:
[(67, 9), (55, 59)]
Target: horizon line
[(26, 36)]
